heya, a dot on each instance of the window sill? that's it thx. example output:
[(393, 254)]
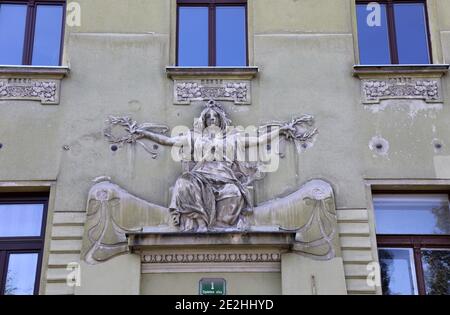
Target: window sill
[(363, 70), (217, 83), (35, 83), (223, 72), (384, 82)]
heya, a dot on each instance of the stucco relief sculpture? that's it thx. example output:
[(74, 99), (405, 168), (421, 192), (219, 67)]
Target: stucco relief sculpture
[(224, 90), (373, 91), (46, 91), (213, 194)]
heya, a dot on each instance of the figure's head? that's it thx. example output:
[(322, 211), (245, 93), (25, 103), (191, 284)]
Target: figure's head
[(212, 118), (214, 115)]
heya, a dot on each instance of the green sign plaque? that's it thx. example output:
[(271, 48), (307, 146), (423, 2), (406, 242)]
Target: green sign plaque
[(208, 286)]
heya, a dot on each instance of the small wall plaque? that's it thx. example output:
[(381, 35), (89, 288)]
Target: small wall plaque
[(209, 286)]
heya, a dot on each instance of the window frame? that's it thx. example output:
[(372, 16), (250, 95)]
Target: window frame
[(30, 26), (23, 244), (392, 34), (416, 242), (211, 5)]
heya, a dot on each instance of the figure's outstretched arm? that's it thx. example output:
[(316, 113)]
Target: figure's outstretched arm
[(162, 139), (266, 137)]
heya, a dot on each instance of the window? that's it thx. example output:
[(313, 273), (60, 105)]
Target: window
[(413, 235), (31, 32), (393, 32), (212, 33), (22, 229)]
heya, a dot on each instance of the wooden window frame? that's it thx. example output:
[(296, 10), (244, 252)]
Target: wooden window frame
[(21, 244), (416, 242), (392, 34), (211, 5), (30, 25)]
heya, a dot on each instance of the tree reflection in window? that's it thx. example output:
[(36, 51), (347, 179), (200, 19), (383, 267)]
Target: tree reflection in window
[(10, 288), (385, 256), (436, 267), (397, 270), (442, 215)]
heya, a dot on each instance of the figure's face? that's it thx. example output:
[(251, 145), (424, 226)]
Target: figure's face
[(212, 118)]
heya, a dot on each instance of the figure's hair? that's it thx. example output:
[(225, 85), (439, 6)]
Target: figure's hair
[(224, 122)]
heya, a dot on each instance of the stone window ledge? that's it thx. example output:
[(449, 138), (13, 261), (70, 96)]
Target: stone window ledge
[(34, 83), (216, 72), (363, 70), (217, 83), (384, 82)]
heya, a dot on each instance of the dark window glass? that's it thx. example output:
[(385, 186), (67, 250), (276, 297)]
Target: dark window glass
[(212, 33), (47, 36), (21, 274), (22, 237), (193, 36), (397, 271), (21, 219), (31, 32), (231, 38), (373, 39), (411, 31), (12, 33), (436, 269), (412, 214), (393, 32)]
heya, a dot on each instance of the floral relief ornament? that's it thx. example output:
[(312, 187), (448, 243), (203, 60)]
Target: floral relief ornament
[(185, 92), (394, 88), (27, 89)]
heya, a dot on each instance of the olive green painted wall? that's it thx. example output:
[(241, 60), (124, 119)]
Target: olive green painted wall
[(305, 51), (268, 283)]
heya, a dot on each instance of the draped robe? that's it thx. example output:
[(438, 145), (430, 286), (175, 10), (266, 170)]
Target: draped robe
[(211, 191)]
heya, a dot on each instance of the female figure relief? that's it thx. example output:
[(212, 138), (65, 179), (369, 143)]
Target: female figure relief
[(214, 192)]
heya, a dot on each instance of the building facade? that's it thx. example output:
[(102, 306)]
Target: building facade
[(93, 94)]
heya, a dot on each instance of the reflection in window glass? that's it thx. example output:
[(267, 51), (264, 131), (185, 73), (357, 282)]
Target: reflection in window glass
[(193, 36), (436, 269), (411, 30), (21, 275), (397, 272), (231, 44), (373, 39), (12, 33), (47, 36), (412, 214), (21, 220)]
